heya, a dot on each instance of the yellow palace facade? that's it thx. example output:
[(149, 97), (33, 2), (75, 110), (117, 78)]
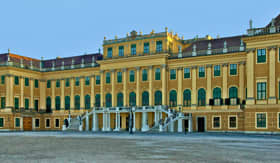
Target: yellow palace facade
[(150, 82)]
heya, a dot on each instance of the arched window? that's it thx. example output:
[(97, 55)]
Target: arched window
[(108, 100), (48, 104), (67, 102), (145, 98), (132, 99), (233, 95), (77, 102), (173, 98), (97, 100), (158, 98), (87, 102), (120, 99), (57, 103), (201, 97), (217, 96), (187, 97)]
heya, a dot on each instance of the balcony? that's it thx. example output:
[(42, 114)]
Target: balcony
[(263, 31), (139, 54)]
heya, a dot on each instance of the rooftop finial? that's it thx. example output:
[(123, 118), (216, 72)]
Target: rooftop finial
[(9, 50), (99, 50), (166, 29), (251, 24)]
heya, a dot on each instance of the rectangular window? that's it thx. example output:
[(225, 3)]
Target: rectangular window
[(36, 105), (3, 102), (108, 78), (261, 120), (233, 69), (1, 122), (217, 70), (119, 77), (121, 51), (232, 122), (49, 84), (17, 122), (131, 76), (77, 81), (26, 103), (261, 55), (87, 80), (36, 83), (187, 73), (146, 48), (144, 75), (159, 46), (216, 122), (67, 82), (173, 74), (133, 49), (37, 123), (109, 52), (16, 80), (278, 120), (157, 74), (201, 72), (57, 123), (16, 101), (57, 83), (48, 123), (97, 80), (26, 82), (261, 90), (2, 79)]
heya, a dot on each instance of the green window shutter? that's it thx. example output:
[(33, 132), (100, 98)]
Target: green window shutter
[(16, 80), (16, 103), (108, 99), (3, 102), (187, 98), (172, 74), (57, 83), (146, 48), (108, 78), (97, 100), (132, 76), (201, 72), (132, 99), (36, 105), (67, 103), (67, 82), (144, 75), (26, 82), (77, 102), (173, 98), (233, 69), (121, 51), (48, 84), (26, 103), (119, 77), (261, 55), (201, 97), (77, 81), (157, 74), (217, 93), (57, 103), (1, 122), (133, 49), (36, 83), (87, 102), (159, 46), (97, 80), (120, 100), (2, 79), (217, 70), (233, 92), (261, 120), (87, 80), (109, 52)]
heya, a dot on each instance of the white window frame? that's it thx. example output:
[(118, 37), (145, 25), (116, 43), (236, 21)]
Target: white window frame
[(256, 118), (229, 122), (215, 116), (3, 122), (46, 122), (20, 122), (55, 123), (35, 123)]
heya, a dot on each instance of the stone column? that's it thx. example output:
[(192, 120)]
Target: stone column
[(171, 124), (138, 86), (62, 98), (53, 94), (72, 104), (94, 121), (209, 86), (125, 87), (190, 129), (42, 94), (113, 89), (272, 88), (134, 119), (102, 88), (82, 99), (250, 77), (31, 93), (241, 81), (92, 84), (104, 121), (180, 86), (151, 102), (87, 121), (108, 121), (144, 120), (194, 92), (164, 84), (224, 85), (22, 93), (180, 124), (117, 121)]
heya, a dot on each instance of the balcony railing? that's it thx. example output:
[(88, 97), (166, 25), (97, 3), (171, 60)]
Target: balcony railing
[(137, 55), (263, 31)]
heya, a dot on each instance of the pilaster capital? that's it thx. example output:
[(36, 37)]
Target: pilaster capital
[(242, 62), (179, 68), (250, 49), (101, 71), (209, 66), (124, 70), (272, 47), (193, 67), (113, 70), (163, 66), (150, 67), (137, 68), (225, 64)]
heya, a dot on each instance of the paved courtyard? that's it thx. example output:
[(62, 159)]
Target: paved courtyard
[(122, 147)]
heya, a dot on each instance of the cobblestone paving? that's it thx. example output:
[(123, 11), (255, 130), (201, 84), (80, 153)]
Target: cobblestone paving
[(122, 147)]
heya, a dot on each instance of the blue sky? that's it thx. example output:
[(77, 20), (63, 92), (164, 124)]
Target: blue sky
[(52, 28)]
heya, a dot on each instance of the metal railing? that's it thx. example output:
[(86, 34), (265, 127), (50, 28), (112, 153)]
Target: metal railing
[(263, 31)]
